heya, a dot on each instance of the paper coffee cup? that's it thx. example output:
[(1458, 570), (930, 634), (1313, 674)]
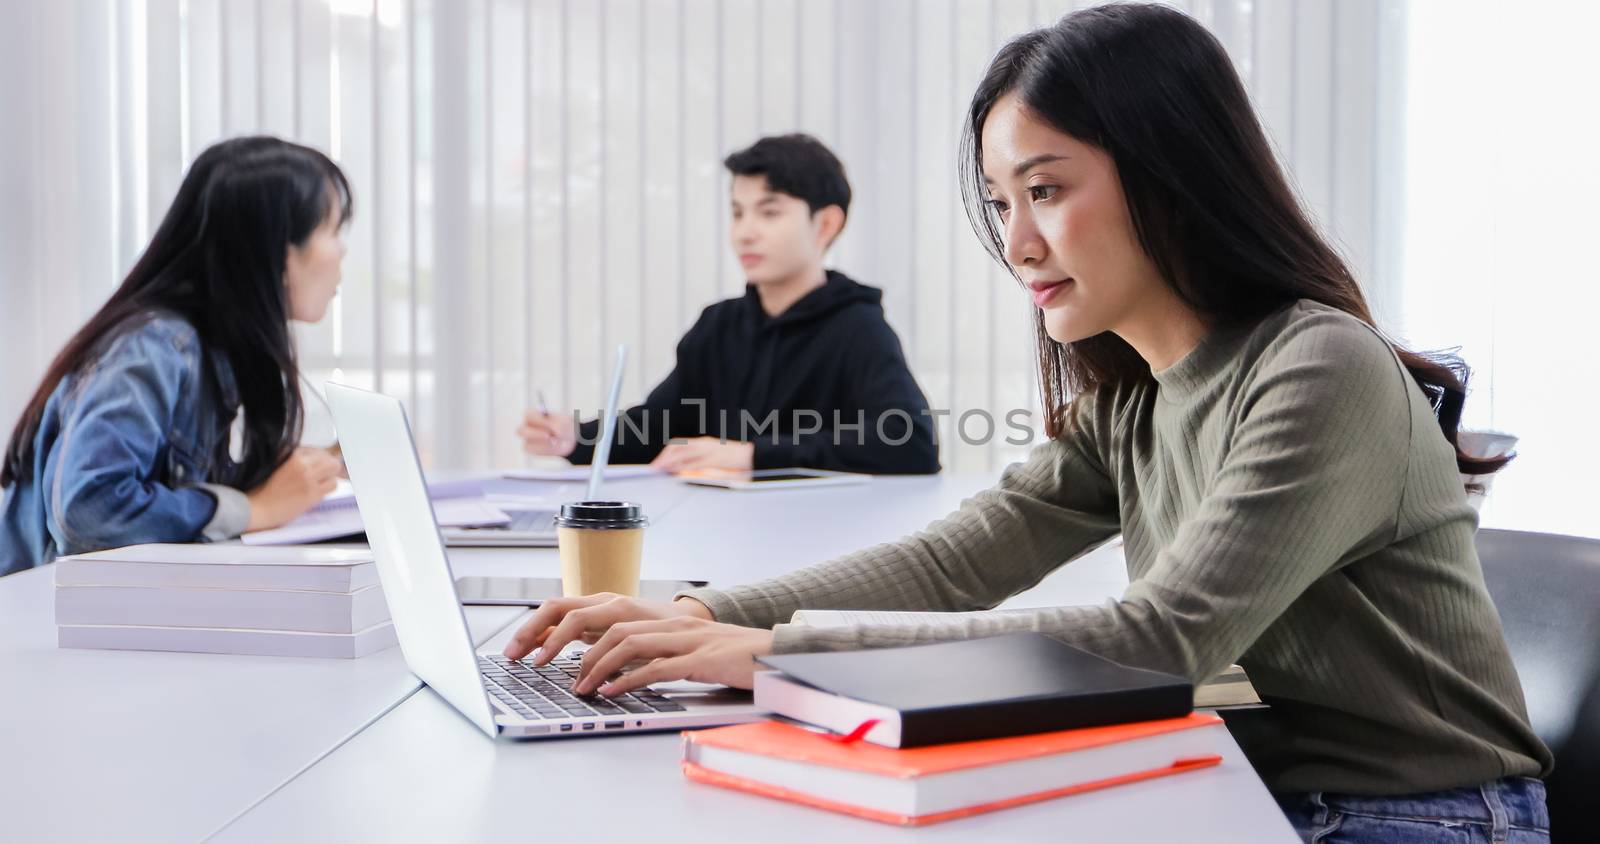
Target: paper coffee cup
[(600, 544)]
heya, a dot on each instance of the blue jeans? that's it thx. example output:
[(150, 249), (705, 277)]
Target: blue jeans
[(1511, 810)]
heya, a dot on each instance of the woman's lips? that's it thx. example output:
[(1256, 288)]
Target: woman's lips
[(749, 260), (1044, 291)]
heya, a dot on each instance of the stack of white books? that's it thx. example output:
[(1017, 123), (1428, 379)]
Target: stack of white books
[(229, 599)]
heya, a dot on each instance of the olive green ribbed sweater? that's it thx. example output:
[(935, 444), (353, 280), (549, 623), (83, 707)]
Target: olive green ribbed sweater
[(1287, 502)]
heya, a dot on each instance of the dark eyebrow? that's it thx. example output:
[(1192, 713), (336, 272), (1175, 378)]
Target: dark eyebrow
[(1046, 158)]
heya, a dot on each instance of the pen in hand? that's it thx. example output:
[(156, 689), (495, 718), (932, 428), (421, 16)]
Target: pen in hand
[(544, 411)]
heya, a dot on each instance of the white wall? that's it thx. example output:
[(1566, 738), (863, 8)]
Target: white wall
[(538, 181), (1501, 184)]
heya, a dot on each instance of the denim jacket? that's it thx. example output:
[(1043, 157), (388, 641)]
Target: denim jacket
[(127, 450)]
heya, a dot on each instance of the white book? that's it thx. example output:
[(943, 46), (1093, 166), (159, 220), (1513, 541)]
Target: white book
[(211, 640), (339, 519), (257, 609), (205, 566), (1231, 689)]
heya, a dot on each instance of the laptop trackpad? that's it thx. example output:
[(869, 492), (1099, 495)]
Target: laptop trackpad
[(702, 694)]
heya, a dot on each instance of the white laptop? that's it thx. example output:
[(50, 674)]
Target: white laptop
[(503, 697)]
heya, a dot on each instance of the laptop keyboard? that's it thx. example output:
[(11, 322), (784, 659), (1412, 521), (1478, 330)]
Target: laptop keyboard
[(539, 692)]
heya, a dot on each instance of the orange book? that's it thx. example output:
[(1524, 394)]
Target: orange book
[(943, 782)]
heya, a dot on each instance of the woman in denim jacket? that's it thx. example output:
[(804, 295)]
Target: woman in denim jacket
[(127, 439)]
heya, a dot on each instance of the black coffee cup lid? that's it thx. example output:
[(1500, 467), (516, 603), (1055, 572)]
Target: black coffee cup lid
[(601, 515)]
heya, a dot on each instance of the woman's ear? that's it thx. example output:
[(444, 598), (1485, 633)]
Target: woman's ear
[(828, 223)]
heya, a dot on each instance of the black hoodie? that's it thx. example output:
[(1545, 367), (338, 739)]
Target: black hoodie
[(822, 385)]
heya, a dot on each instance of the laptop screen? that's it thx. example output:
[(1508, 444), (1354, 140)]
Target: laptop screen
[(417, 581)]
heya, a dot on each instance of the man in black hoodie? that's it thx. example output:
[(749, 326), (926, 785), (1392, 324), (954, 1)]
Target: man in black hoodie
[(802, 370)]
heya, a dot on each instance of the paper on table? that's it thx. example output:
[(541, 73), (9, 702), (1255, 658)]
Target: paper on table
[(334, 522), (344, 494), (581, 473)]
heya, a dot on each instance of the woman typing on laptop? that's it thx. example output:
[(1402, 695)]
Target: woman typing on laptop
[(1286, 479), (127, 439)]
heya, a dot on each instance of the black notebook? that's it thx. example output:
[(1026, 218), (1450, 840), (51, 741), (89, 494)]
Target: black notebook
[(968, 690)]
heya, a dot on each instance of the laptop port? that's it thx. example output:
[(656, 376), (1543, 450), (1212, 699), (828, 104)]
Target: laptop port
[(616, 725), (589, 726), (566, 728)]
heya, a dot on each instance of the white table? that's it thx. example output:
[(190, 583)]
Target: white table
[(129, 746), (108, 745), (422, 772)]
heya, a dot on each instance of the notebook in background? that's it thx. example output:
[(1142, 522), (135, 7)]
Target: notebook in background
[(932, 784), (966, 690), (1231, 689)]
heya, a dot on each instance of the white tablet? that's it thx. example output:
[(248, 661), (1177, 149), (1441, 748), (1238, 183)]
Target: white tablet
[(765, 479)]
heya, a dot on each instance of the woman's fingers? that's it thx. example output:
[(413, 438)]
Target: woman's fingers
[(564, 633), (619, 633), (533, 632), (660, 671), (530, 633), (320, 465), (593, 618), (636, 646)]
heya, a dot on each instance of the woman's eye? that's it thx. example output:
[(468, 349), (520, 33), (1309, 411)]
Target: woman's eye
[(998, 205), (1040, 193)]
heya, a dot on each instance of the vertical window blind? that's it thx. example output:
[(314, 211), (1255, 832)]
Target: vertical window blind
[(539, 180)]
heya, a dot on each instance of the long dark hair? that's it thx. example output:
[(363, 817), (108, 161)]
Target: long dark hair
[(217, 260), (1154, 90)]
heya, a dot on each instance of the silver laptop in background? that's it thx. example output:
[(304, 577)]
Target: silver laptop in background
[(537, 528), (527, 529), (502, 697)]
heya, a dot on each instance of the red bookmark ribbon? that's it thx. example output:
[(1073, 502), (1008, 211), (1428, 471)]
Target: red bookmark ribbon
[(855, 735)]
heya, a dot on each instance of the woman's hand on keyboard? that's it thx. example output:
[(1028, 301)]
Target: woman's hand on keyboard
[(559, 622), (681, 648)]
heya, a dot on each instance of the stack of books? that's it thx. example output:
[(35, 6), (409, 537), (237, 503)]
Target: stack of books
[(930, 733), (228, 599)]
